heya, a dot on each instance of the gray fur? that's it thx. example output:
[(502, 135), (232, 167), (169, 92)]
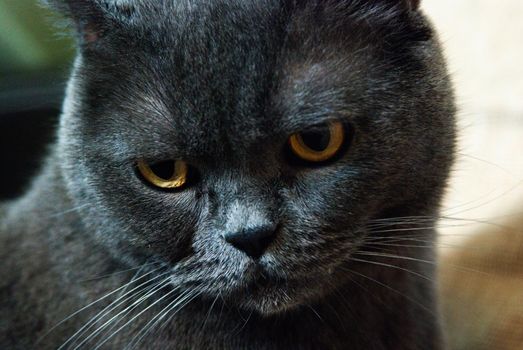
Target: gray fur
[(223, 84)]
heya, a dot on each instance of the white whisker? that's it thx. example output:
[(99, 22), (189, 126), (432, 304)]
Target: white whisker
[(113, 305), (126, 311), (182, 300), (394, 267), (147, 327), (89, 305), (133, 318), (425, 308), (68, 211)]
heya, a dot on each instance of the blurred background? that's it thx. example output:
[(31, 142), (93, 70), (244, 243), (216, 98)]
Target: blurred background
[(483, 42), (34, 63)]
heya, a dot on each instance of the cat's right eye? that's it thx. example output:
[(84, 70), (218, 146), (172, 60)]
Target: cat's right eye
[(169, 174)]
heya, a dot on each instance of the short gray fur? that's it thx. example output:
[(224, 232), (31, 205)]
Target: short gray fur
[(222, 84)]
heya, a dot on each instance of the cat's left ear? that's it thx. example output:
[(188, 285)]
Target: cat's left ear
[(92, 18)]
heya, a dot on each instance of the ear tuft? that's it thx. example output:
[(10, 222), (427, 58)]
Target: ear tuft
[(413, 4), (93, 18), (87, 16)]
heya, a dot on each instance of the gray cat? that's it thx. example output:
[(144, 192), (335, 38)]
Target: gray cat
[(236, 174)]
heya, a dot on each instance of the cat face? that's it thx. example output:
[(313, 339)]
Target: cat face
[(223, 87)]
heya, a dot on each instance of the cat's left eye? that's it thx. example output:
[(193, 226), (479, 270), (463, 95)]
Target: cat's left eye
[(169, 174), (319, 144)]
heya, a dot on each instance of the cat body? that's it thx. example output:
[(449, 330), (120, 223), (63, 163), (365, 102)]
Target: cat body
[(222, 85)]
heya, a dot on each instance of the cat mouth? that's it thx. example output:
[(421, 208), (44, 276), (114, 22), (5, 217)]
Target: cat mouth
[(266, 293), (260, 279), (262, 286)]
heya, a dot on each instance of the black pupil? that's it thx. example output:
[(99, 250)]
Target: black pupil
[(317, 140), (164, 170)]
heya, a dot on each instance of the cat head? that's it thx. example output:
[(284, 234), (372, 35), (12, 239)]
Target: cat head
[(246, 145)]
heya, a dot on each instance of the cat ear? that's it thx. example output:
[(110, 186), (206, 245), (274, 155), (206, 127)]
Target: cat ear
[(93, 18), (410, 5), (86, 15), (413, 5)]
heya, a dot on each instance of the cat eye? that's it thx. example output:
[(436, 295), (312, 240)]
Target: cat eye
[(319, 144), (169, 174)]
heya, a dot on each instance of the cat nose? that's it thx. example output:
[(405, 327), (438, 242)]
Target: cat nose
[(252, 241)]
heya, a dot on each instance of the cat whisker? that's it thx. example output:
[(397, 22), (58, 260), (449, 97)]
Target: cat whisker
[(315, 313), (410, 217), (415, 237), (196, 295), (400, 245), (100, 344), (434, 263), (120, 315), (467, 222), (428, 245), (97, 278), (210, 310), (240, 315), (109, 308), (68, 211), (411, 220), (157, 318), (246, 321), (415, 228), (342, 299), (471, 202), (136, 276), (90, 305), (393, 267), (406, 221), (416, 302), (399, 238), (505, 170), (503, 194)]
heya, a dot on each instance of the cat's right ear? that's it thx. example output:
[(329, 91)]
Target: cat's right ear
[(412, 5), (90, 17)]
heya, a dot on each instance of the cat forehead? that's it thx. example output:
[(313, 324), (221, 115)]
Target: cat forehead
[(245, 113), (222, 18), (175, 16), (246, 78), (96, 19), (241, 68)]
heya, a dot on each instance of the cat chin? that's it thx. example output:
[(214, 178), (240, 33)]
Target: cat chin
[(268, 307), (271, 297), (268, 301)]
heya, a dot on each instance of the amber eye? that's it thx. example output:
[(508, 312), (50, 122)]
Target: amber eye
[(318, 145), (170, 174)]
